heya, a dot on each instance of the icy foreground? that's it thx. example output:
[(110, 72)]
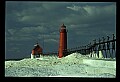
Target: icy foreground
[(73, 65)]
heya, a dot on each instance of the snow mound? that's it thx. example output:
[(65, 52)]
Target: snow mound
[(72, 58), (100, 63), (73, 65)]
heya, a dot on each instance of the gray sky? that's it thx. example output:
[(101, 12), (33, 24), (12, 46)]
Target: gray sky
[(26, 22)]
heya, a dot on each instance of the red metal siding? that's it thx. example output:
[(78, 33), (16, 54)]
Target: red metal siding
[(33, 52), (37, 50)]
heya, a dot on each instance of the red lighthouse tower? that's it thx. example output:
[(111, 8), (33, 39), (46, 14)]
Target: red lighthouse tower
[(63, 41)]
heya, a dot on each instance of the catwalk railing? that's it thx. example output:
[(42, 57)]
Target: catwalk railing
[(106, 47)]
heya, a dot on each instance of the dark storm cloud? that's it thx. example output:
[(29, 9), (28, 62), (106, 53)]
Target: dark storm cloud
[(35, 13), (91, 14), (41, 13), (28, 22)]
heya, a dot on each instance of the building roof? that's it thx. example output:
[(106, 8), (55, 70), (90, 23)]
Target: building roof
[(37, 46)]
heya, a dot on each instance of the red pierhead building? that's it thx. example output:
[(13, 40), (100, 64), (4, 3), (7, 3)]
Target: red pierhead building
[(62, 41), (36, 51)]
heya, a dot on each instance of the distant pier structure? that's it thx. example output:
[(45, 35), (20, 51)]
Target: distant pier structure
[(62, 41), (36, 51)]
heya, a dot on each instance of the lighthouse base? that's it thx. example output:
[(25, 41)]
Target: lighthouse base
[(34, 56)]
